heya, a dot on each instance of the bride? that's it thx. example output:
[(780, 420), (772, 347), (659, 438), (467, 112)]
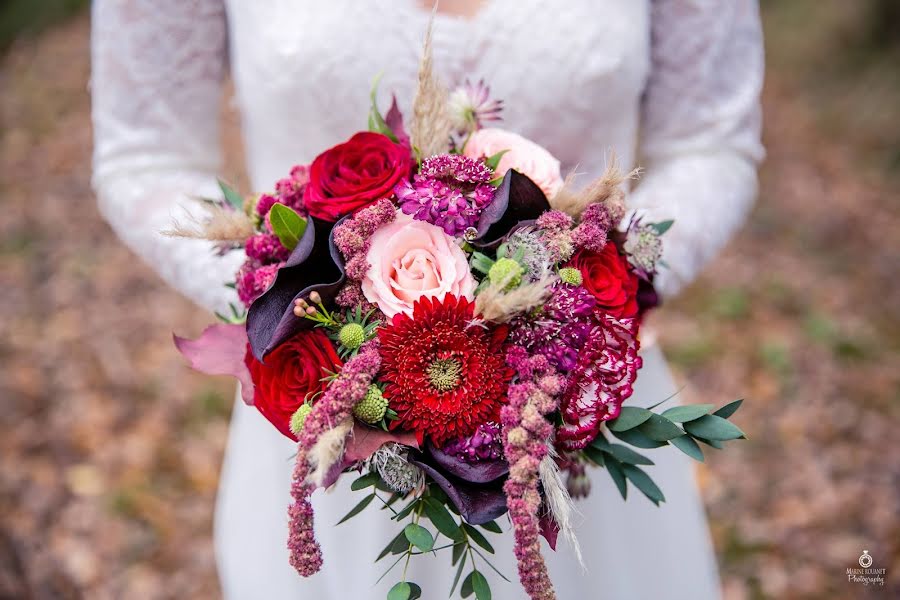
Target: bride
[(670, 85)]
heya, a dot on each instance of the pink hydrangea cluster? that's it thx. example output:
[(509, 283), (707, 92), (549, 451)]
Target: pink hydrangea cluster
[(525, 435), (352, 238), (596, 222), (555, 227), (254, 279), (449, 191), (333, 407), (288, 191)]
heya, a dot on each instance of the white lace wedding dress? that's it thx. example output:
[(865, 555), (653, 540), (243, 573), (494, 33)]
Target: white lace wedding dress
[(670, 85)]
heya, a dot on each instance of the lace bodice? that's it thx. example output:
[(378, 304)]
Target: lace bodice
[(669, 85)]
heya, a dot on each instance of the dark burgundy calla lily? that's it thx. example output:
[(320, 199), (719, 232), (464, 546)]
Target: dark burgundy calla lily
[(477, 503), (517, 199), (483, 471), (314, 265)]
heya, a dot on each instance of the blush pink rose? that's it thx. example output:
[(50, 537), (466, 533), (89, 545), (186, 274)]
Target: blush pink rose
[(523, 155), (411, 259)]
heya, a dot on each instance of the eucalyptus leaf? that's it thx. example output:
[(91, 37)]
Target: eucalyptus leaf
[(231, 195), (404, 512), (415, 592), (419, 537), (400, 591), (614, 468), (629, 418), (478, 538), (690, 447), (467, 588), (660, 428), (480, 585), (729, 409), (442, 519), (627, 455), (637, 439), (287, 225), (369, 479), (643, 482), (400, 537), (492, 527), (688, 412), (662, 227), (712, 427), (595, 455), (458, 551), (712, 443), (358, 508)]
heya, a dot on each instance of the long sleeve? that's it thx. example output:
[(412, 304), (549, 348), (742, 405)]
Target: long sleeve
[(157, 71), (700, 130)]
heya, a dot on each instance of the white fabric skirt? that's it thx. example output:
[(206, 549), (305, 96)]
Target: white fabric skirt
[(633, 550)]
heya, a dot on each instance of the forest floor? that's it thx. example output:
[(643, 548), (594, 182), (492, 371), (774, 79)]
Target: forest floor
[(110, 445)]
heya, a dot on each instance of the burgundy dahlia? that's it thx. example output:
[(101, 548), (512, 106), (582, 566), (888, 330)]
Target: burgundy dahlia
[(445, 375), (450, 191)]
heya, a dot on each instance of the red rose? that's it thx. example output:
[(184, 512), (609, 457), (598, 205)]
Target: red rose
[(609, 279), (292, 372), (355, 174)]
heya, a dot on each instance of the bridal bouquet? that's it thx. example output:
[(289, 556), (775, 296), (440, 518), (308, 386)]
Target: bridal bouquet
[(440, 314)]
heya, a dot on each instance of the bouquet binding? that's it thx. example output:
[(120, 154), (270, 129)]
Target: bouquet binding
[(444, 314)]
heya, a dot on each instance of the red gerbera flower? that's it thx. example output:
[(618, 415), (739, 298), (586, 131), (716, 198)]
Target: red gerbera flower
[(445, 375)]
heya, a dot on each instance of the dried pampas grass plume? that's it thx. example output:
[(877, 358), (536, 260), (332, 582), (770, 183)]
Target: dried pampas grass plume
[(559, 501), (493, 304), (329, 449), (218, 225), (431, 124), (606, 189)]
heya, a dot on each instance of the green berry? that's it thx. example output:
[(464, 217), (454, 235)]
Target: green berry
[(570, 276), (352, 335), (299, 418), (507, 271), (371, 409)]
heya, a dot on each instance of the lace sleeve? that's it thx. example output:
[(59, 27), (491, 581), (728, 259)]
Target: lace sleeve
[(700, 142), (156, 84)]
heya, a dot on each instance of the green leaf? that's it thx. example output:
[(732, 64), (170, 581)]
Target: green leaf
[(399, 538), (688, 412), (458, 551), (459, 570), (629, 418), (231, 195), (729, 409), (480, 585), (637, 439), (415, 592), (712, 427), (687, 445), (467, 589), (376, 120), (419, 537), (358, 508), (627, 455), (401, 591), (614, 468), (595, 455), (662, 227), (365, 481), (492, 527), (404, 512), (287, 225), (442, 519), (493, 161), (643, 482), (712, 443), (478, 538), (660, 428)]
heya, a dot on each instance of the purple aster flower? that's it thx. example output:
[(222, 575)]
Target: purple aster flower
[(449, 191)]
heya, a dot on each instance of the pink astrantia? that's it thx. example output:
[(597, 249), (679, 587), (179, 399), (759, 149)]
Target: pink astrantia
[(450, 191)]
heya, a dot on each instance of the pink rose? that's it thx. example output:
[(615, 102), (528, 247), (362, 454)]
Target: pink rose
[(523, 155), (411, 259)]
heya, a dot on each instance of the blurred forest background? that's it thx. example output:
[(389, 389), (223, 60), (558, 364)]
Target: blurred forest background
[(110, 446)]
